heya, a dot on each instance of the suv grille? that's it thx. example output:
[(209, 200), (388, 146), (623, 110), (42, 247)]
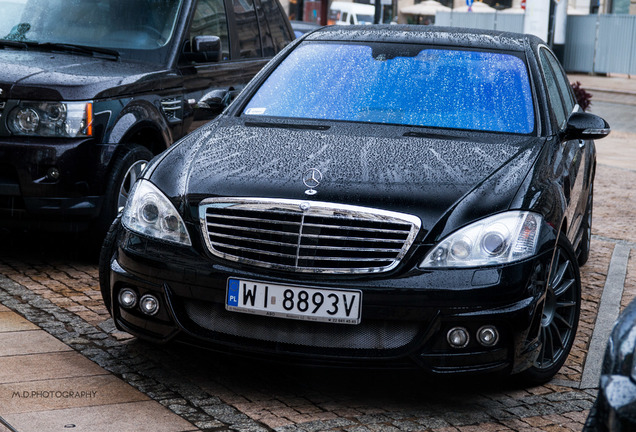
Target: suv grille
[(302, 236)]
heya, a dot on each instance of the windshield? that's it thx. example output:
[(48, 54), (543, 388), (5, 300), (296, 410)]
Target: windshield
[(400, 84), (128, 26)]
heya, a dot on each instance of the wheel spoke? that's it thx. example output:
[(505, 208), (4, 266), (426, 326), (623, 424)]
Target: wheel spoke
[(543, 347), (549, 342), (560, 273), (555, 264), (562, 288), (557, 333), (565, 304), (563, 320)]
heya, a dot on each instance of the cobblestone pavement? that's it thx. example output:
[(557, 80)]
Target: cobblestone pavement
[(55, 286)]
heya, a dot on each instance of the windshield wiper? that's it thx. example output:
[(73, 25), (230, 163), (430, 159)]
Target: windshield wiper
[(78, 49), (286, 125), (12, 44)]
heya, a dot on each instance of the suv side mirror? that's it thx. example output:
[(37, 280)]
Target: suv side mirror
[(216, 100), (586, 126), (210, 46)]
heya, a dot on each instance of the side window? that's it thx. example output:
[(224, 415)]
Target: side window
[(247, 28), (209, 19), (563, 83), (277, 25), (266, 34), (345, 16), (554, 92)]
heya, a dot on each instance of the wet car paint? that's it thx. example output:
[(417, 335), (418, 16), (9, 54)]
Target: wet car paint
[(615, 407), (447, 178)]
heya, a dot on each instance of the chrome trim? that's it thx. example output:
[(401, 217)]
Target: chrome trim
[(170, 107), (294, 225)]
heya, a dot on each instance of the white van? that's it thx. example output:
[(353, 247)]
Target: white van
[(347, 13)]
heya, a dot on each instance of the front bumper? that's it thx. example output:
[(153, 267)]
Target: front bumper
[(30, 190), (406, 316)]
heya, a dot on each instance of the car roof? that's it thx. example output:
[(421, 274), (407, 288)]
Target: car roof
[(450, 36)]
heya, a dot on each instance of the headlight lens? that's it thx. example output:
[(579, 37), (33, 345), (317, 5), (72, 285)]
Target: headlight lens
[(150, 213), (498, 239), (52, 119)]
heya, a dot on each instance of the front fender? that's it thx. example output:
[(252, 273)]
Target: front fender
[(542, 191), (136, 116), (139, 122), (491, 196)]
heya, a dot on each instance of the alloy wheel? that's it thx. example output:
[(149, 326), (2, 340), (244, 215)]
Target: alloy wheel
[(560, 313)]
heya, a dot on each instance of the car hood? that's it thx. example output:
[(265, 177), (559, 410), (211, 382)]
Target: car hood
[(38, 75), (362, 165)]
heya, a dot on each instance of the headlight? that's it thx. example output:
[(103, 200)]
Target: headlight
[(498, 239), (52, 119), (150, 213)]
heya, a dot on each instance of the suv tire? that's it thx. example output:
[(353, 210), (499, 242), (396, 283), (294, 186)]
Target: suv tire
[(127, 168)]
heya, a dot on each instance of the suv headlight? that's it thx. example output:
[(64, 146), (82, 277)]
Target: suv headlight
[(149, 212), (498, 239), (52, 119)]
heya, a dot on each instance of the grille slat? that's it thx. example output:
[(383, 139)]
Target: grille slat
[(256, 230), (305, 236)]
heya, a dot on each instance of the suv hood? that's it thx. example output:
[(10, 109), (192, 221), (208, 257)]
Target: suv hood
[(426, 177), (36, 75)]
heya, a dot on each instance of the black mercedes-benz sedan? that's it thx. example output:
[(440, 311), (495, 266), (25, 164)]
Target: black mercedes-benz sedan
[(383, 196)]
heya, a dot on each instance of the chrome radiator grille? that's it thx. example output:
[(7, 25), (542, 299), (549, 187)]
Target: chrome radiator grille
[(303, 236)]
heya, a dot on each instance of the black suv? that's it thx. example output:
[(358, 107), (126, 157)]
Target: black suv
[(90, 90)]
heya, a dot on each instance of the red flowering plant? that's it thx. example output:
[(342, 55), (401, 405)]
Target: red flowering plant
[(583, 98)]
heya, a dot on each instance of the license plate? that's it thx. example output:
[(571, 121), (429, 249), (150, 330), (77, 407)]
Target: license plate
[(294, 302)]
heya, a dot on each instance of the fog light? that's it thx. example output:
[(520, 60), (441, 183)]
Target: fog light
[(149, 304), (457, 337), (488, 336), (127, 298)]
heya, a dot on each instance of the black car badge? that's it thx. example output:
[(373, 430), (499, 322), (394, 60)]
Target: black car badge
[(312, 179)]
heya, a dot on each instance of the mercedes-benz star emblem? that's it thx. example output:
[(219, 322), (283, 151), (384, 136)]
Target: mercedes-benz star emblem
[(312, 179)]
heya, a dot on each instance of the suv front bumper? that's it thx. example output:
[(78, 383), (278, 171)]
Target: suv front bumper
[(51, 181)]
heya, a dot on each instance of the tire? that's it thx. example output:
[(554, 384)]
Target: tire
[(127, 167), (586, 239), (106, 254), (560, 317)]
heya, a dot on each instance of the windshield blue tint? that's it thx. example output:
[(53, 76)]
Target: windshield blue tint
[(429, 87)]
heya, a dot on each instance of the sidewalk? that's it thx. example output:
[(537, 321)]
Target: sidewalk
[(619, 148), (46, 386), (615, 83)]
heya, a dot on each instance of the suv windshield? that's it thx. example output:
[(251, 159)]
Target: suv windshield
[(130, 27), (400, 84)]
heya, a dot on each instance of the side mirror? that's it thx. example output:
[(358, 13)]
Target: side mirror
[(210, 46), (215, 100), (586, 126)]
